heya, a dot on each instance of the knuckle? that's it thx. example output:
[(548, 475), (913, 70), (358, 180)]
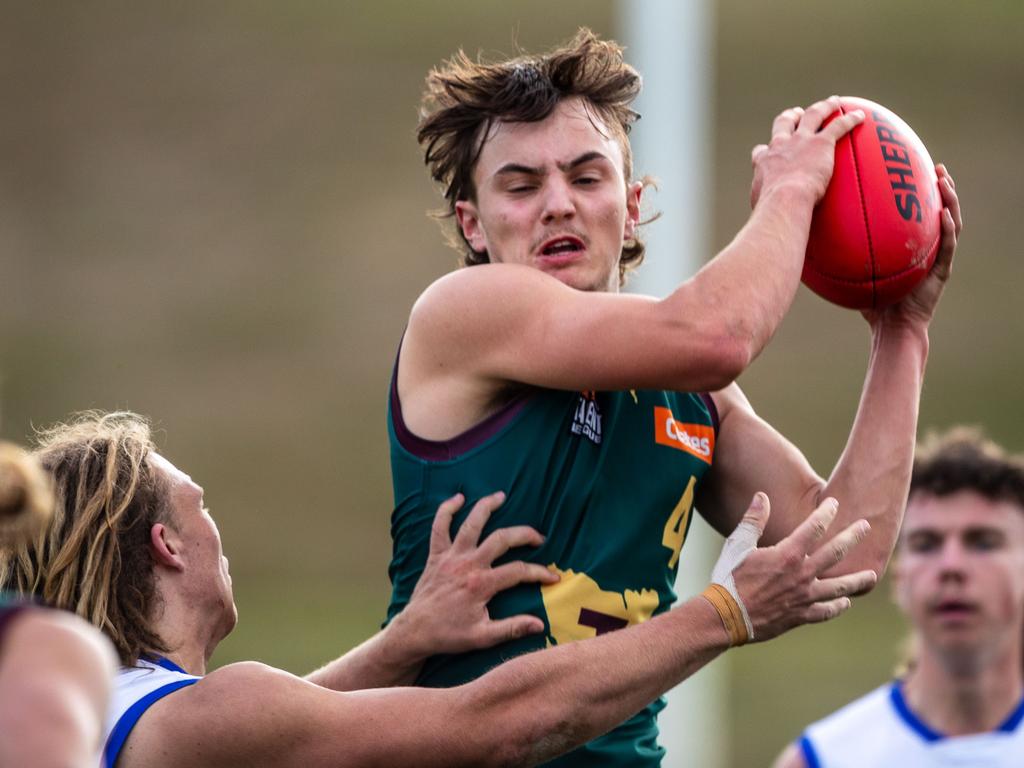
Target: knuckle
[(475, 582), (539, 572), (792, 559)]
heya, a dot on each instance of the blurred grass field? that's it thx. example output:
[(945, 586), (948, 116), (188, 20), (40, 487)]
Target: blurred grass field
[(214, 213)]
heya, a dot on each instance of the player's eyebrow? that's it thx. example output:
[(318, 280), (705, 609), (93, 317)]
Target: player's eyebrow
[(527, 170), (586, 157), (511, 168)]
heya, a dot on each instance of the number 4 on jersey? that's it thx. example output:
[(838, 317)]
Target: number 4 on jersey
[(675, 528)]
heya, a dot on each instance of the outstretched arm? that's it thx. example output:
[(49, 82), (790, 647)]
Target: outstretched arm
[(872, 476), (448, 609), (517, 324), (522, 713)]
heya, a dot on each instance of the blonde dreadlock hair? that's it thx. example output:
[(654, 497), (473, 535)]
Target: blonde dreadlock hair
[(93, 557)]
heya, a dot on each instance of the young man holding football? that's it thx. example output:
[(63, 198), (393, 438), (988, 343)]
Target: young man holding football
[(609, 418)]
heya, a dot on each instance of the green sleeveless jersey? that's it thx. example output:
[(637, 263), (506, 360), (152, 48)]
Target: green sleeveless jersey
[(608, 478)]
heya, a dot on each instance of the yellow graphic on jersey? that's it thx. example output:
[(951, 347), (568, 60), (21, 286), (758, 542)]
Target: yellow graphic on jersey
[(578, 608), (675, 529)]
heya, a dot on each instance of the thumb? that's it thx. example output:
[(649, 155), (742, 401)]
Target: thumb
[(754, 519), (742, 541)]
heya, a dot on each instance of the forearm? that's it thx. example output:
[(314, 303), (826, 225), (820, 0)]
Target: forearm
[(873, 474), (546, 703), (750, 285), (387, 659)]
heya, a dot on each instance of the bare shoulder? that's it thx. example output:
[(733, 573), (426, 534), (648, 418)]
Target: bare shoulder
[(791, 757), (464, 344), (478, 293), (229, 694), (61, 641), (243, 714), (250, 715), (55, 676)]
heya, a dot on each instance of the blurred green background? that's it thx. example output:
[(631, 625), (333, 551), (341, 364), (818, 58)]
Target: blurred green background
[(214, 214)]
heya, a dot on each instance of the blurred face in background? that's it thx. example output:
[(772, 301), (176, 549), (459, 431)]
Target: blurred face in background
[(959, 573)]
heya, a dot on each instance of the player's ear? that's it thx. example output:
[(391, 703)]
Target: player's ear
[(166, 547), (468, 217), (634, 192)]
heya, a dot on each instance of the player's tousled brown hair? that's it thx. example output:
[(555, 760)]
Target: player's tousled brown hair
[(963, 459), (26, 501), (464, 98), (93, 557)]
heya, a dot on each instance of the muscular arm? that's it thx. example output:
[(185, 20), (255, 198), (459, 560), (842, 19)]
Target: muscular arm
[(525, 712), (516, 323), (55, 678), (477, 330), (871, 478)]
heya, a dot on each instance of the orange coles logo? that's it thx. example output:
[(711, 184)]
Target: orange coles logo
[(696, 439)]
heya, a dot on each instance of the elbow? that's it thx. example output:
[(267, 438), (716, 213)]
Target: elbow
[(736, 353), (513, 729), (552, 735), (725, 358), (730, 346)]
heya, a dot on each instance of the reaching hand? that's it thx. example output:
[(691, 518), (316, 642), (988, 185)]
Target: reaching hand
[(780, 587), (801, 152), (919, 305), (447, 612)]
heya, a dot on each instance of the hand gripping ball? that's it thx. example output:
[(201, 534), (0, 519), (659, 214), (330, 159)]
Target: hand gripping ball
[(875, 233)]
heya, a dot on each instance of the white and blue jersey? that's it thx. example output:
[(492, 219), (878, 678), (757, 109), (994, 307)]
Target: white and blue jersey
[(136, 689), (879, 729)]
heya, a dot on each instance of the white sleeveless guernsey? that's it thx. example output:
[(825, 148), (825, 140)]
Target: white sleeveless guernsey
[(879, 729), (136, 689)]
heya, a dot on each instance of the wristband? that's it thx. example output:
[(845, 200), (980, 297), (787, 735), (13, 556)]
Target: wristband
[(730, 613), (741, 542)]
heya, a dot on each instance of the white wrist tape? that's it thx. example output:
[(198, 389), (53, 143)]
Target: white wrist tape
[(741, 542)]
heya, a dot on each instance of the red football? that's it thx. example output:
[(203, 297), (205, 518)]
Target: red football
[(876, 231)]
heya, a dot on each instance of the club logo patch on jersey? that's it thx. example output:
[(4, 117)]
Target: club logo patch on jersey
[(586, 420), (578, 608), (696, 439)]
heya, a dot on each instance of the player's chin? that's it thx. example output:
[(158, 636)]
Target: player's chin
[(568, 275), (581, 278)]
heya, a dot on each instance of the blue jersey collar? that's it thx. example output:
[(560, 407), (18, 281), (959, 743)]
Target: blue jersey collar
[(927, 733)]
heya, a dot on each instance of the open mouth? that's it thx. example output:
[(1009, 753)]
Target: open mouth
[(954, 609), (560, 246)]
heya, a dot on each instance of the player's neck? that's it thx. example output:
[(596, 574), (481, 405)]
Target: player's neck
[(959, 696), (189, 641)]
